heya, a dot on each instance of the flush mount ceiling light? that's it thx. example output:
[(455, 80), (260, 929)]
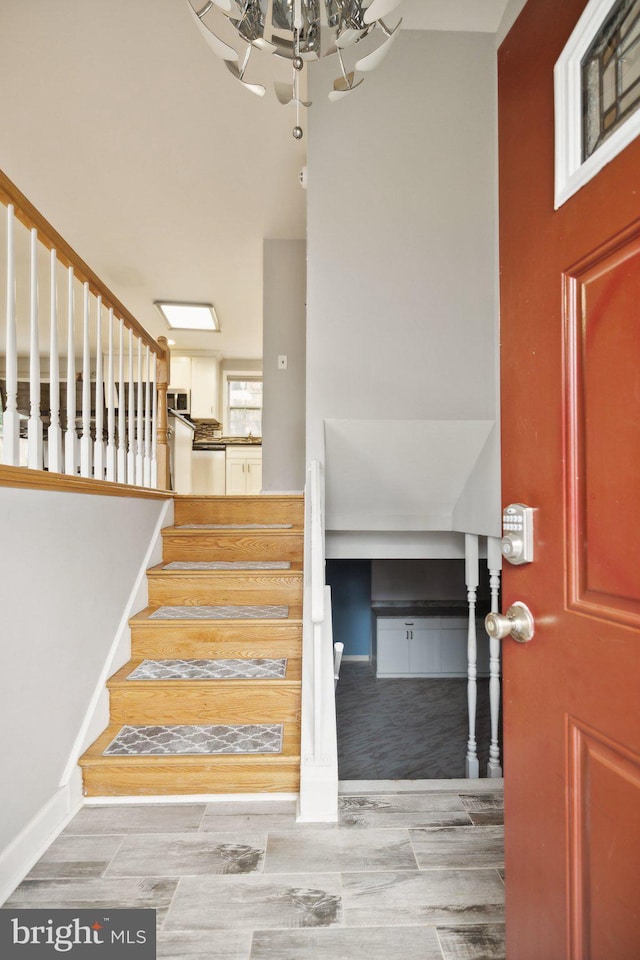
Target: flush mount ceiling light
[(300, 31), (188, 316)]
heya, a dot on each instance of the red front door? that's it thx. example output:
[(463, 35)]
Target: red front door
[(570, 319)]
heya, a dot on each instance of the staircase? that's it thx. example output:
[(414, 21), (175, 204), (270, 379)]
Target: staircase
[(210, 701)]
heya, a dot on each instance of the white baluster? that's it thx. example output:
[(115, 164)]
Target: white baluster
[(98, 446), (122, 441), (131, 422), (10, 418), (472, 579), (54, 433), (154, 424), (85, 442), (70, 432), (34, 428), (147, 420), (111, 413), (140, 425), (494, 562)]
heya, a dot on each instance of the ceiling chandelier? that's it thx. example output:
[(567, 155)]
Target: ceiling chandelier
[(301, 31)]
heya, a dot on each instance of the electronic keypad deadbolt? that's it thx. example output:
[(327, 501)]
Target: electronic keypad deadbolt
[(517, 533)]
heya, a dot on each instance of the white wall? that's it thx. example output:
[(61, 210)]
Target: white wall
[(70, 563), (283, 419), (402, 307)]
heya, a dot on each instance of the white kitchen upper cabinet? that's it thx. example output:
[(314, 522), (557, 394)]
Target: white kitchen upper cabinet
[(180, 373), (205, 388)]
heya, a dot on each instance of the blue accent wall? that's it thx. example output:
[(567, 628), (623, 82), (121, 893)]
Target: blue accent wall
[(350, 582)]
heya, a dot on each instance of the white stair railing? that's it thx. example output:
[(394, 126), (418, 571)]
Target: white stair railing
[(10, 418), (494, 563), (319, 766), (472, 578), (88, 396), (34, 434)]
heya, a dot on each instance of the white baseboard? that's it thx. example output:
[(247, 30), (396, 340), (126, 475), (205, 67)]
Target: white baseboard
[(25, 850), (190, 798)]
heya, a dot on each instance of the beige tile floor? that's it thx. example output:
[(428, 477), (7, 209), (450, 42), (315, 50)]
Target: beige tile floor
[(412, 869)]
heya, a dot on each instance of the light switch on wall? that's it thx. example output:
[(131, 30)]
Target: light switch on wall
[(282, 362)]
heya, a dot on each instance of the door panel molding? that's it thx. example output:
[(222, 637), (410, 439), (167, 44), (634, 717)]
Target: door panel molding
[(602, 454), (603, 800)]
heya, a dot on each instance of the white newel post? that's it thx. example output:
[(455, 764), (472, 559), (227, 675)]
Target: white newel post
[(494, 563), (85, 442), (111, 413), (154, 424), (147, 419), (34, 428), (54, 433), (131, 418), (472, 580), (140, 425), (10, 418), (70, 432), (98, 446), (122, 440)]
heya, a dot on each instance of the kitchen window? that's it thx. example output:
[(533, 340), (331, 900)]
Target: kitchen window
[(244, 405)]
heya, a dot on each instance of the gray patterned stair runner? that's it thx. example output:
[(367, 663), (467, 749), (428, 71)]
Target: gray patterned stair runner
[(185, 739), (229, 612), (228, 565), (222, 669), (235, 526)]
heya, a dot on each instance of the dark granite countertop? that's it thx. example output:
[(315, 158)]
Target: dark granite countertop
[(419, 608), (221, 443)]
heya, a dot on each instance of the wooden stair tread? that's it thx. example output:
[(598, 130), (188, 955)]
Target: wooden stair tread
[(262, 509)]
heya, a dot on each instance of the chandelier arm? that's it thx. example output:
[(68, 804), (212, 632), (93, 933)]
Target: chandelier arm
[(388, 31), (205, 10), (342, 67), (267, 32), (379, 8), (245, 62)]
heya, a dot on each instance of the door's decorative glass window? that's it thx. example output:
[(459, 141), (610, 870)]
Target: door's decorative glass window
[(596, 93), (611, 75), (245, 407)]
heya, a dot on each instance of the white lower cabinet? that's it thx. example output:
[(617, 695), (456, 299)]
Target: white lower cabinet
[(427, 647), (208, 473), (244, 471)]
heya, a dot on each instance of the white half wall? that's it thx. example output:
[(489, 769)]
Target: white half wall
[(402, 305), (70, 563), (284, 335)]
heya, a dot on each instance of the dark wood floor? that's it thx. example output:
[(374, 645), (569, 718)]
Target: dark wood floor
[(406, 729)]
